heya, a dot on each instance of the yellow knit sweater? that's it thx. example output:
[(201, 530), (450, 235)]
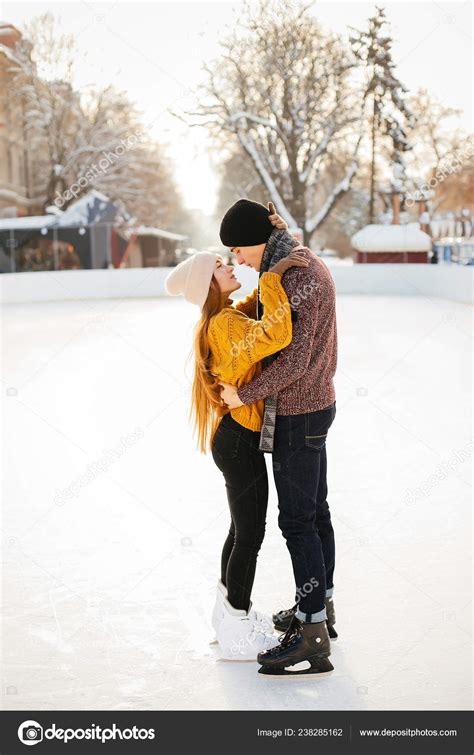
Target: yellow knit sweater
[(238, 343)]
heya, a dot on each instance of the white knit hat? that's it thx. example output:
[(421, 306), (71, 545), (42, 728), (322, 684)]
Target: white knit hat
[(192, 278)]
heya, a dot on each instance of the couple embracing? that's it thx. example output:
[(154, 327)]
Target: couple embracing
[(263, 383)]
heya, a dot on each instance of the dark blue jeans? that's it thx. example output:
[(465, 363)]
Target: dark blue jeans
[(300, 472)]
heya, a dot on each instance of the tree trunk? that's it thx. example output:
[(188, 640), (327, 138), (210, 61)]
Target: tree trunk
[(298, 211), (372, 166), (396, 209), (306, 237)]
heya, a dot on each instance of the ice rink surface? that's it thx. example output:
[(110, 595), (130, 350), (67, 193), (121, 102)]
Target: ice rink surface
[(112, 523)]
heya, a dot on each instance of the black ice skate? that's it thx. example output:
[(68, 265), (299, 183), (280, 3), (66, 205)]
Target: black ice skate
[(281, 620), (303, 651)]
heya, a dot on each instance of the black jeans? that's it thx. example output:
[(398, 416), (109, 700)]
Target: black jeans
[(300, 472), (235, 451)]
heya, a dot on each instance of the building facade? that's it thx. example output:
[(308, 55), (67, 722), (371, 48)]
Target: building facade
[(16, 194)]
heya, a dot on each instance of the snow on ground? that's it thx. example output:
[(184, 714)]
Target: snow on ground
[(112, 522)]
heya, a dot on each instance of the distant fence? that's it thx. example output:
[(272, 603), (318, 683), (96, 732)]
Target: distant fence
[(453, 282), (442, 281)]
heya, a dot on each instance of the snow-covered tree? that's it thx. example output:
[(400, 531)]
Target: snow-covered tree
[(399, 146), (390, 113), (238, 178), (437, 132), (93, 138), (283, 90), (350, 213)]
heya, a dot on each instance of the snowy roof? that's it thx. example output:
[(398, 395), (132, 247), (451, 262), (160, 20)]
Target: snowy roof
[(391, 238), (8, 28), (8, 53), (93, 207), (29, 221), (144, 230)]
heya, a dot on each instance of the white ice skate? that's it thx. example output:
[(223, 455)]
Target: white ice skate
[(265, 620), (218, 611), (241, 636)]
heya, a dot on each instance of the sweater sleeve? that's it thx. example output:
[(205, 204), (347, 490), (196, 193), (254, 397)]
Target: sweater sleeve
[(248, 305), (291, 364), (253, 340)]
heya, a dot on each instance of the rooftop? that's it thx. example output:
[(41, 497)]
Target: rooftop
[(144, 230)]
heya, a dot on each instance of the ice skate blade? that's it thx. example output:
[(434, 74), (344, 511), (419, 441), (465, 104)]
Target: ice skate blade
[(333, 639), (318, 668), (333, 635)]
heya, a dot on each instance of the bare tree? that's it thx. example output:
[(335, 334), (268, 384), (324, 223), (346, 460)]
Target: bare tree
[(86, 139), (437, 142), (238, 178), (437, 130), (283, 89)]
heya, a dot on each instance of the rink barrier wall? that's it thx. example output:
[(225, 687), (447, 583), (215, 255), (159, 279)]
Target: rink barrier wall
[(439, 281)]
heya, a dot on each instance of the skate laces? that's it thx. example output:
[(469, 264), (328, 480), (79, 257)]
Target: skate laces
[(290, 611), (291, 635), (262, 620), (260, 628), (257, 632)]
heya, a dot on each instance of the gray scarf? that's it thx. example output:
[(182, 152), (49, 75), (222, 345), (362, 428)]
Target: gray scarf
[(279, 245)]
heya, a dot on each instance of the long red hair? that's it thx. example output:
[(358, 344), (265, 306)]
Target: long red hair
[(206, 408)]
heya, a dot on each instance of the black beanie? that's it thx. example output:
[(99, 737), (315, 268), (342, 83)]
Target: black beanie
[(246, 223)]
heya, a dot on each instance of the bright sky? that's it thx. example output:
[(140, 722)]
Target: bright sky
[(154, 51)]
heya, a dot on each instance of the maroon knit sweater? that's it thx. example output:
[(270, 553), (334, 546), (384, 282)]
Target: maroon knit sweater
[(302, 374)]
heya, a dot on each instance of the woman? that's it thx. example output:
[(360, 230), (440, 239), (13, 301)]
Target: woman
[(229, 346)]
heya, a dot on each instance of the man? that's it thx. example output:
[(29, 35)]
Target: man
[(300, 406)]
